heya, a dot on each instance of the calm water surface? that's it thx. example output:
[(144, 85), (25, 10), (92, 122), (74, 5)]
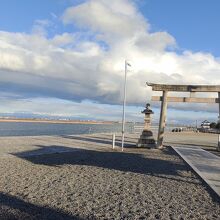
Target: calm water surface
[(34, 129)]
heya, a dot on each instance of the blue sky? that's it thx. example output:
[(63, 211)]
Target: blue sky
[(193, 23), (70, 53), (19, 16)]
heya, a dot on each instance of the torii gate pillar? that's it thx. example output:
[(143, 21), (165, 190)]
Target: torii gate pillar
[(163, 113), (218, 107)]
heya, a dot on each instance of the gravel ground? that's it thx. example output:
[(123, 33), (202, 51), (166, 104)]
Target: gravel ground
[(94, 182)]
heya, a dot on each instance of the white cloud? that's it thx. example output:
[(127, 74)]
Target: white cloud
[(62, 108), (110, 18), (63, 39), (40, 27), (69, 67)]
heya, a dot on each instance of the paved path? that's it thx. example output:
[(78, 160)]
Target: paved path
[(204, 163)]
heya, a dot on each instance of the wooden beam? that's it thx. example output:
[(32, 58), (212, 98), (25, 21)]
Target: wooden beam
[(187, 99), (163, 113), (184, 88)]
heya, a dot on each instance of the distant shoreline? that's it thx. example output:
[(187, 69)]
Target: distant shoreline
[(55, 121)]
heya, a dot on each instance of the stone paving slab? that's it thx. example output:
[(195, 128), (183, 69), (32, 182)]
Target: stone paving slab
[(204, 163)]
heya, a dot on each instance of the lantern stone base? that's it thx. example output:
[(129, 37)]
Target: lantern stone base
[(146, 139)]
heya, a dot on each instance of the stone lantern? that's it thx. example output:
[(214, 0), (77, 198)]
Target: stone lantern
[(146, 138)]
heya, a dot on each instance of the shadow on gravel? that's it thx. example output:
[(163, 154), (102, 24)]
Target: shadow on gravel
[(100, 140), (121, 161), (15, 208), (117, 139)]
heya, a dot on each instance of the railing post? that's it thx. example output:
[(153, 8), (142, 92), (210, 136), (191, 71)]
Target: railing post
[(113, 141)]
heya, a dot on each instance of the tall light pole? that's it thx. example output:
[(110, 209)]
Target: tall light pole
[(124, 103)]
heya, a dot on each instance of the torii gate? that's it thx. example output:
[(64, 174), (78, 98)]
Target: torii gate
[(180, 88)]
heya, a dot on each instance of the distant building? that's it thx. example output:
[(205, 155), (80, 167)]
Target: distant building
[(205, 124)]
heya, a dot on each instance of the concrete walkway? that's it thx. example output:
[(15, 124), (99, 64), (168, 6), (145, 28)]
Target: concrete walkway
[(204, 163)]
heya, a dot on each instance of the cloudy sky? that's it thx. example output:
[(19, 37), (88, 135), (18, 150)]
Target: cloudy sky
[(66, 57)]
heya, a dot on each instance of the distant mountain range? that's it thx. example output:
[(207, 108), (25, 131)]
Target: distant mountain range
[(28, 115)]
